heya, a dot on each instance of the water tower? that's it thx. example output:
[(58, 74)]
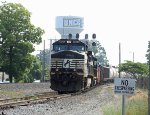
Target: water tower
[(69, 26)]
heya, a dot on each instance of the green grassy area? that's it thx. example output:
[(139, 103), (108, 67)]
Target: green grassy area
[(112, 109), (135, 105), (138, 104), (12, 94)]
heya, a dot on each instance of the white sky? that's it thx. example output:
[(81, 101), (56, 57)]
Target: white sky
[(113, 21)]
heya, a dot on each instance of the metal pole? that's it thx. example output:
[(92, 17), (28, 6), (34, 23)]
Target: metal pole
[(123, 96), (44, 63), (149, 85), (3, 77), (123, 104), (50, 49), (119, 58), (133, 57)]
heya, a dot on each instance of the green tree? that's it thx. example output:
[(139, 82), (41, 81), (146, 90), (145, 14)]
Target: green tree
[(17, 36), (45, 59), (134, 69), (35, 72)]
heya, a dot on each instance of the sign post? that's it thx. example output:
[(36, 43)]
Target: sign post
[(124, 86)]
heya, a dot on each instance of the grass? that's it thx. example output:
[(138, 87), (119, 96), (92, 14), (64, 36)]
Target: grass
[(135, 105), (110, 109), (12, 94), (138, 104), (15, 95)]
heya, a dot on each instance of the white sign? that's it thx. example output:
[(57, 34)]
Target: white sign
[(124, 86), (72, 22)]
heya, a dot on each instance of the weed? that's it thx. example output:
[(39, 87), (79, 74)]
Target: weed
[(135, 105)]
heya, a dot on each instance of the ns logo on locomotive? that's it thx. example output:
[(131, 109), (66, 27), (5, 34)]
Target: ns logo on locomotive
[(73, 67)]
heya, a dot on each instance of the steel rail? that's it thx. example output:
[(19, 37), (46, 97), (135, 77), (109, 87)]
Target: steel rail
[(24, 101)]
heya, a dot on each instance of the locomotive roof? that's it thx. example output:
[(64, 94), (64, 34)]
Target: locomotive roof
[(69, 41)]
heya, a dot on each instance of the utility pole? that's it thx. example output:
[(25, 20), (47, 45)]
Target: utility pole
[(149, 78), (123, 96), (119, 58), (43, 79), (50, 49), (133, 57), (3, 77)]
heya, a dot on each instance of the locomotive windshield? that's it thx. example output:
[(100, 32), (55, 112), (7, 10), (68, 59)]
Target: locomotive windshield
[(60, 47), (76, 47), (65, 44), (68, 47)]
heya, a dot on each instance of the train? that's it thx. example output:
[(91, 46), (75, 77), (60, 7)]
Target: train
[(74, 67)]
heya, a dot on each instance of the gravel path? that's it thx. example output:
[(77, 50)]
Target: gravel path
[(15, 90), (89, 103)]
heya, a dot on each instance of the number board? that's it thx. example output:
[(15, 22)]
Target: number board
[(124, 86)]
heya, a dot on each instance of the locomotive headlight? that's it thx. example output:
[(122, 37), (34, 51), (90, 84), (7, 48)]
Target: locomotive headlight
[(57, 69), (68, 42), (74, 69)]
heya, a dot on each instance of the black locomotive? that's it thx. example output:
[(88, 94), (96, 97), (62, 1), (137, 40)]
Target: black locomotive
[(73, 67)]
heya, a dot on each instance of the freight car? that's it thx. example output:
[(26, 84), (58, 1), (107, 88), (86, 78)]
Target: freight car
[(108, 73), (73, 67)]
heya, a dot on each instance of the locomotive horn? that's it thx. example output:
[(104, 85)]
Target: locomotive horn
[(86, 36), (94, 36), (70, 36), (77, 35)]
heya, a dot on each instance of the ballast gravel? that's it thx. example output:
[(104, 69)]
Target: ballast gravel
[(89, 103)]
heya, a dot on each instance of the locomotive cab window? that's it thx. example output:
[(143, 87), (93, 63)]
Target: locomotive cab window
[(65, 44), (76, 48), (68, 47), (60, 47)]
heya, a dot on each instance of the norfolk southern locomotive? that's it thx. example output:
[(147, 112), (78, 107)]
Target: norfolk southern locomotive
[(73, 66)]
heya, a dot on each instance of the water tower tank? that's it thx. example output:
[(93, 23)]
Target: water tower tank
[(66, 25)]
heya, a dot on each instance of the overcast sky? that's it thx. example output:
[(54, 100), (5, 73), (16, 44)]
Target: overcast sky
[(113, 21)]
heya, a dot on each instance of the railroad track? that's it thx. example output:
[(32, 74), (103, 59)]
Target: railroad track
[(28, 100), (38, 98)]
